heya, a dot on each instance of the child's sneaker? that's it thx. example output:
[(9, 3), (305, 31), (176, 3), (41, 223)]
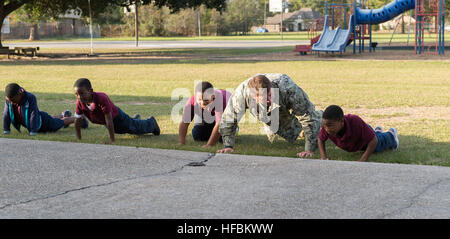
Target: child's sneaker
[(394, 133), (85, 123), (66, 114), (379, 129), (157, 131)]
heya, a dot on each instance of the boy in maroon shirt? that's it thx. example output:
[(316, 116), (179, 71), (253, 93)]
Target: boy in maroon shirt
[(208, 104), (350, 133), (99, 109)]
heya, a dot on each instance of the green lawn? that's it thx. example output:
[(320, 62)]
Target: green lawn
[(145, 87), (300, 36)]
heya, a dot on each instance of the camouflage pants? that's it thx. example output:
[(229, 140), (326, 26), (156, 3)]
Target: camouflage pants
[(291, 129)]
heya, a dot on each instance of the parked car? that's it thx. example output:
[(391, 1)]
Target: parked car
[(261, 30)]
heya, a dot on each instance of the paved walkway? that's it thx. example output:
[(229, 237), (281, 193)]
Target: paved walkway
[(41, 179), (160, 44)]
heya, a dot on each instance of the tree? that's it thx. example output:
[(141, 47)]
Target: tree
[(184, 23), (447, 9), (316, 5), (6, 7), (295, 5), (378, 3), (151, 20), (243, 14), (55, 7), (26, 14), (156, 21), (108, 19)]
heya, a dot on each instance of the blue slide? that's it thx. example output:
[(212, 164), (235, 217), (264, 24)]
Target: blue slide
[(336, 40), (333, 40), (384, 13)]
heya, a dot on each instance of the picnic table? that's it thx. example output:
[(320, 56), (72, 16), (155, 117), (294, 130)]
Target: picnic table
[(25, 50), (6, 51)]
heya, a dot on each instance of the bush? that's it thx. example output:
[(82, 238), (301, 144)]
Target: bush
[(375, 27)]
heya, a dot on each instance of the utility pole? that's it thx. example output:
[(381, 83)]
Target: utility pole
[(282, 10), (136, 22), (265, 10), (409, 27), (90, 28), (199, 24)]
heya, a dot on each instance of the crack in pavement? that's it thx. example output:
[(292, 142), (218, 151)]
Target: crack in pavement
[(413, 199), (200, 163)]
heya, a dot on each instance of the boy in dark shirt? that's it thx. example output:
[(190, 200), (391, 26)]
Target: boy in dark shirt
[(21, 109), (99, 109), (350, 133)]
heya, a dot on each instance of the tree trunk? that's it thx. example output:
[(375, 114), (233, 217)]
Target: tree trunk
[(74, 30), (5, 10), (34, 35), (1, 25), (403, 25)]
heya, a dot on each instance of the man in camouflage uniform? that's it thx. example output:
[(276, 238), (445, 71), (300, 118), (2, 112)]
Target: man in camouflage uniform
[(280, 104)]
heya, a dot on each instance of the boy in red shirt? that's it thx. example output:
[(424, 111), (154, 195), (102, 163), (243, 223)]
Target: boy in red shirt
[(99, 109), (208, 104), (350, 133)]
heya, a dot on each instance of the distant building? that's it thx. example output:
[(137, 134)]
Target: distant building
[(292, 21)]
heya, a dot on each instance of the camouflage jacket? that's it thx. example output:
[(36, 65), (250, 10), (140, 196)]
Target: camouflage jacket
[(288, 101)]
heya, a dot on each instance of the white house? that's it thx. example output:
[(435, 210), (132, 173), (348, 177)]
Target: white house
[(292, 21)]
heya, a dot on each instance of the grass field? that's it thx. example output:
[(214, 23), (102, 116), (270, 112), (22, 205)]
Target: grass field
[(412, 96), (380, 37)]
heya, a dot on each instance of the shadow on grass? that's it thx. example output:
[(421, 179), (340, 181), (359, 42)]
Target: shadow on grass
[(146, 106), (146, 56), (137, 61), (70, 98)]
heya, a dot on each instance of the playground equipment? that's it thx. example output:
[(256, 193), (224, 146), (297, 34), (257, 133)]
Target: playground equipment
[(334, 40), (336, 36), (315, 27)]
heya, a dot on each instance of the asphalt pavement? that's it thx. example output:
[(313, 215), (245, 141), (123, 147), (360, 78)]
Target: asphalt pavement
[(160, 44), (43, 179)]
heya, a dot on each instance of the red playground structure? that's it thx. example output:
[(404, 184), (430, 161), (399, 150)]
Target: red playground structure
[(315, 28)]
